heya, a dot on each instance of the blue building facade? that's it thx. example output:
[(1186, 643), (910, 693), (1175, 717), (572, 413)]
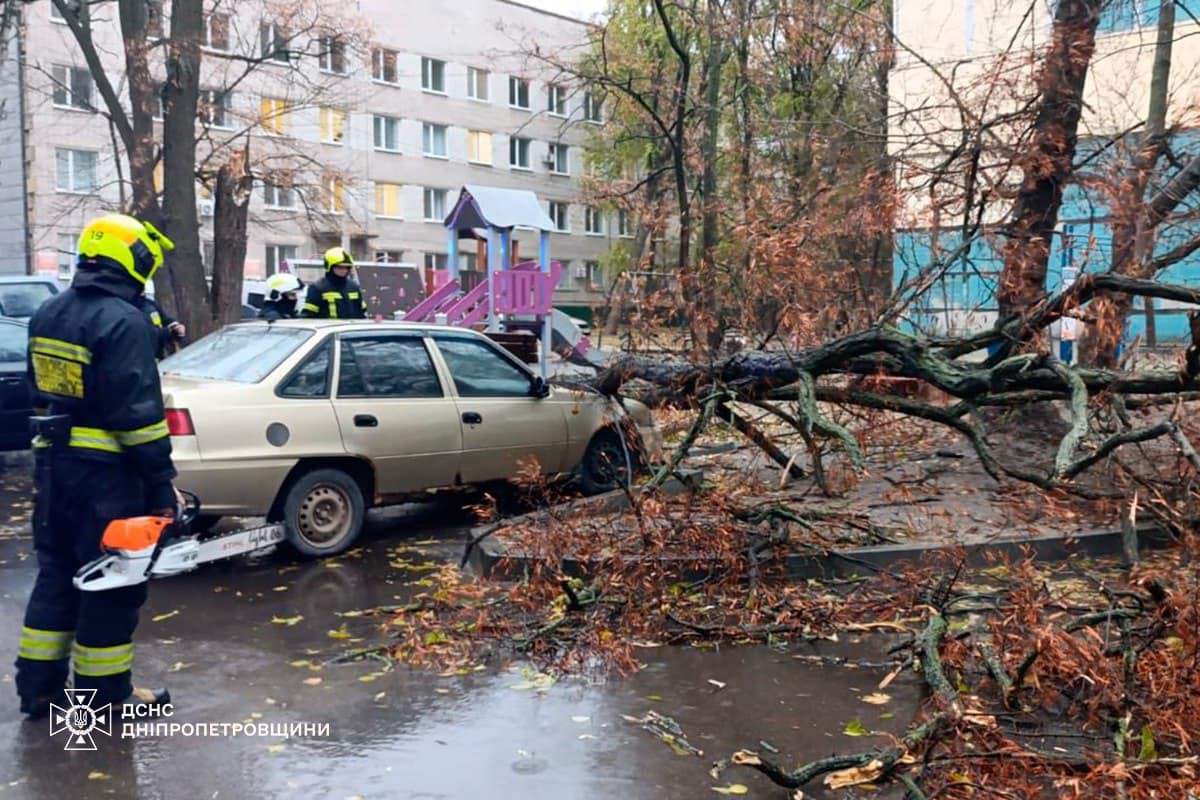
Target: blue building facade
[(963, 300)]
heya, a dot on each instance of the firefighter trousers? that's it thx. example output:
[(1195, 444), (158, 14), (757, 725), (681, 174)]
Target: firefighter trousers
[(63, 624)]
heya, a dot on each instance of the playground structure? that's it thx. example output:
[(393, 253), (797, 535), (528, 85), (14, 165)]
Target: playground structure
[(514, 295)]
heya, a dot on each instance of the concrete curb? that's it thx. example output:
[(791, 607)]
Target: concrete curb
[(492, 560)]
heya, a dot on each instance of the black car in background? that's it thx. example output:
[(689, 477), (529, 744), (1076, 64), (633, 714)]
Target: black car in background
[(22, 295), (16, 398)]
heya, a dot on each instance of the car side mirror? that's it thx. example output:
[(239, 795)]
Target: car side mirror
[(540, 388)]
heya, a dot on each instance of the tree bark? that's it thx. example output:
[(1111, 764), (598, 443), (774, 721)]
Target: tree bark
[(234, 182), (1133, 233), (141, 148), (1048, 166), (710, 323), (181, 286)]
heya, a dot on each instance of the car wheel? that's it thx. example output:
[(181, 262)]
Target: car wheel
[(604, 466), (323, 512)]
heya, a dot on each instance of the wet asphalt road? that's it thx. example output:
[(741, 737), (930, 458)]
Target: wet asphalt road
[(407, 733)]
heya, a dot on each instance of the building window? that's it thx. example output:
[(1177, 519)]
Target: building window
[(433, 75), (333, 194), (433, 140), (477, 83), (438, 261), (273, 42), (72, 87), (556, 100), (67, 242), (277, 255), (1124, 15), (435, 205), (518, 93), (387, 200), (559, 159), (75, 171), (593, 107), (278, 196), (383, 66), (558, 215), (479, 147), (623, 228), (592, 271), (388, 256), (387, 134), (593, 221), (208, 256), (154, 18), (467, 262), (333, 126), (274, 116), (212, 108), (332, 54), (518, 153), (216, 32)]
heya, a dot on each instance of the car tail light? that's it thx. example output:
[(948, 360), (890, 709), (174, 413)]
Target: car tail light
[(179, 422)]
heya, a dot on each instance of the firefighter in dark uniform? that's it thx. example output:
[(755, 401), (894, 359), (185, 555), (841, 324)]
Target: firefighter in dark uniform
[(337, 295), (91, 359), (281, 299), (169, 332)]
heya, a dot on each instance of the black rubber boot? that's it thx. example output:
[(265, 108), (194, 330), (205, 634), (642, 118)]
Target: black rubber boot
[(35, 707)]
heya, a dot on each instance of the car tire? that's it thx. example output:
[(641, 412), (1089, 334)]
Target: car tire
[(323, 512), (603, 466)]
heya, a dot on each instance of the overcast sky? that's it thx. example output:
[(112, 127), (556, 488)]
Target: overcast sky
[(583, 9)]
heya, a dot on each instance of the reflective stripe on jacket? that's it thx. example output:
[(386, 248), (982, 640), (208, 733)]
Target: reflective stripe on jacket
[(327, 300), (91, 355)]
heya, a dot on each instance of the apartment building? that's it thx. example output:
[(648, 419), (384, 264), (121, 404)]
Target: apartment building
[(960, 62), (361, 125)]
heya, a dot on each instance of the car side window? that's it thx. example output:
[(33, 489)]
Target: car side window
[(13, 341), (387, 366), (312, 378), (479, 371)]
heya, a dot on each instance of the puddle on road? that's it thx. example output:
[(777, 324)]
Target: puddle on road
[(411, 734)]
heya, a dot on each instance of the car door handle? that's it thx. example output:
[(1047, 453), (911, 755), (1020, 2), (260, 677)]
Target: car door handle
[(365, 421), (472, 418)]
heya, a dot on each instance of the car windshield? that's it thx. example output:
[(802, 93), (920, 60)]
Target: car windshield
[(23, 299), (244, 354), (14, 339)]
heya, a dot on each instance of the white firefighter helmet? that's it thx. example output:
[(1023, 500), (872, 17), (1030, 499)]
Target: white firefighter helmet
[(281, 283)]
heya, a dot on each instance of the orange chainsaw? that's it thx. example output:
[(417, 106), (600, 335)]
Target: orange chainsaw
[(136, 549)]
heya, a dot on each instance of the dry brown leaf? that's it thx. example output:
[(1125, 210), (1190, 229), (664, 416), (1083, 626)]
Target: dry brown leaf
[(877, 699), (891, 676), (745, 758), (854, 776)]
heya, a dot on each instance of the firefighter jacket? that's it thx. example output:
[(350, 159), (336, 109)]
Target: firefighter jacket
[(162, 325), (278, 309), (334, 298), (91, 356)]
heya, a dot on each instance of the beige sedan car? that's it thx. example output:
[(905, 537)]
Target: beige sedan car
[(312, 422)]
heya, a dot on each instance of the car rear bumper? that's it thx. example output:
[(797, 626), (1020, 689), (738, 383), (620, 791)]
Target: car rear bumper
[(229, 488)]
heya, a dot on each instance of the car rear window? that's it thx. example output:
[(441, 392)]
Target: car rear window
[(23, 299), (243, 354)]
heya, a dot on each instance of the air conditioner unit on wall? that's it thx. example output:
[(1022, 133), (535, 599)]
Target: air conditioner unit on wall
[(548, 163), (205, 208)]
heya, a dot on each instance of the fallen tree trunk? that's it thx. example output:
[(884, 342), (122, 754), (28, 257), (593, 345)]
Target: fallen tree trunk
[(1004, 381)]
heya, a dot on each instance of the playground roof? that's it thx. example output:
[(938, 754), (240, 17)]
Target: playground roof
[(493, 207)]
